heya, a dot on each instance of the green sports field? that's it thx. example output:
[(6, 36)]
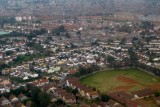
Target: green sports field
[(127, 80)]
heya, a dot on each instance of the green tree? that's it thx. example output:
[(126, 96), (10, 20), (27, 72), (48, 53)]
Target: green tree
[(75, 91), (123, 41), (79, 33), (57, 31), (19, 90), (109, 41), (68, 89), (148, 39), (43, 31), (104, 97), (133, 57), (53, 105), (59, 102), (94, 67), (137, 42), (31, 36), (34, 104), (82, 70), (34, 94), (3, 66), (146, 25), (72, 45), (112, 62), (67, 35), (110, 59), (43, 99), (38, 21), (8, 53), (49, 38), (95, 43), (157, 94), (7, 20), (125, 28)]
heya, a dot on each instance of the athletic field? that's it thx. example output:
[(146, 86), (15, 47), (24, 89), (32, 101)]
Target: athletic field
[(117, 80)]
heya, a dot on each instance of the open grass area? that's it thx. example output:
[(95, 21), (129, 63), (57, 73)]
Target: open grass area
[(127, 80)]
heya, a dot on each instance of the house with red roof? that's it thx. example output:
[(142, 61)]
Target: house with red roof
[(40, 82), (124, 98), (94, 105), (63, 94), (13, 99), (49, 87), (28, 104), (143, 93), (158, 100), (22, 97), (83, 89), (20, 105), (72, 71), (4, 101), (112, 103), (1, 55), (92, 94)]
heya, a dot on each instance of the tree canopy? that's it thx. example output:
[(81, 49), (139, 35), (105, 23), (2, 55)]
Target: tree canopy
[(146, 25), (133, 56), (57, 31)]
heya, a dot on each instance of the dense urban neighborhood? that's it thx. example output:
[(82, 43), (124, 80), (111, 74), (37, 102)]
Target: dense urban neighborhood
[(40, 53), (84, 59)]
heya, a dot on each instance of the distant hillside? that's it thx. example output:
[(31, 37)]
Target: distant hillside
[(87, 7), (3, 1), (109, 6)]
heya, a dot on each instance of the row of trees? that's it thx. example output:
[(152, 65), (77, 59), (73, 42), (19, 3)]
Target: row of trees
[(7, 20), (61, 31), (36, 46), (117, 64), (57, 31), (133, 57), (40, 98), (87, 70), (124, 28), (146, 25), (38, 32)]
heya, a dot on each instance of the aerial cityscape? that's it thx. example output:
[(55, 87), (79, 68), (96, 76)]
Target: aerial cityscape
[(79, 53)]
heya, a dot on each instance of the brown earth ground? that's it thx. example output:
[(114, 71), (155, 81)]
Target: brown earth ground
[(155, 87), (124, 88), (130, 83), (126, 80)]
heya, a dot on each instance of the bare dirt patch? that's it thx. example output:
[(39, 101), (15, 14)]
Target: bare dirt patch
[(131, 83), (122, 88), (155, 87), (127, 80)]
